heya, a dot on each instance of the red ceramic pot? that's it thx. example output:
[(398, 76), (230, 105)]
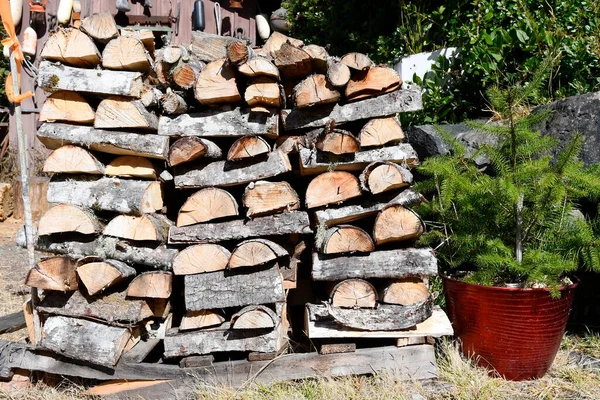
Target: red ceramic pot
[(514, 332)]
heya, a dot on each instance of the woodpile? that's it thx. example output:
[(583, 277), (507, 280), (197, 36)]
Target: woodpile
[(180, 201)]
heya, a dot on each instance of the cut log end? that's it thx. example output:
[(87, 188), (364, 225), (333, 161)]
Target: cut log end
[(346, 239), (293, 63), (248, 147), (338, 74), (66, 106), (146, 227), (381, 131), (121, 112), (185, 150), (254, 252), (200, 258), (405, 292), (357, 61), (53, 273), (65, 218), (259, 66), (373, 82), (126, 53), (263, 92), (101, 27), (131, 167), (72, 160), (314, 90), (207, 205), (99, 275), (396, 223), (237, 52), (354, 293), (264, 198), (216, 84), (200, 319), (71, 47), (156, 284), (332, 188), (379, 177), (338, 142), (254, 317)]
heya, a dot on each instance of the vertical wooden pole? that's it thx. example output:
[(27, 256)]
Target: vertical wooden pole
[(24, 167)]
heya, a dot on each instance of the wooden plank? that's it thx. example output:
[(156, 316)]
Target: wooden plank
[(403, 100), (196, 361), (220, 122), (400, 263), (315, 162), (292, 222), (437, 325), (333, 348), (12, 322)]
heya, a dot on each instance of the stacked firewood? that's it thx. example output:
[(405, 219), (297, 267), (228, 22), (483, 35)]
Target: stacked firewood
[(182, 210)]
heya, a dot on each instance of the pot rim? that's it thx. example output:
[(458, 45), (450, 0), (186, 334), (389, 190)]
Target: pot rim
[(509, 289)]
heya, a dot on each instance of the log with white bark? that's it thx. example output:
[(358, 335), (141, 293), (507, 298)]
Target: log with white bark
[(101, 27), (314, 91), (220, 122), (67, 106), (71, 47), (126, 53), (264, 198), (404, 100), (259, 66), (206, 205), (72, 160), (57, 76), (353, 293), (248, 147), (319, 57), (287, 223), (172, 103), (216, 84), (346, 239), (155, 285), (314, 162), (393, 264), (254, 317), (254, 252), (54, 136), (225, 173), (337, 142), (373, 82), (132, 167), (338, 73), (331, 188), (146, 36), (379, 177), (97, 274), (405, 292), (85, 340), (381, 131), (124, 113), (200, 319), (109, 194), (222, 289), (292, 62), (191, 148), (357, 61), (64, 218), (200, 258), (209, 47), (396, 223), (153, 227), (263, 92), (53, 273)]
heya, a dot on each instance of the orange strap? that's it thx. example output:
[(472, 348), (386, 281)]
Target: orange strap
[(37, 7), (13, 44)]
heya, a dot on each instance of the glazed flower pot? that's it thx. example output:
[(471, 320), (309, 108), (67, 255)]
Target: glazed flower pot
[(513, 332)]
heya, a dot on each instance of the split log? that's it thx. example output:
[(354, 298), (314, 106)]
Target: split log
[(72, 160), (220, 122), (206, 205), (64, 218), (331, 188), (172, 103), (404, 100), (53, 273), (171, 54), (338, 74), (121, 112), (248, 147), (216, 84), (186, 72), (396, 223), (222, 289), (109, 194), (353, 293), (314, 162), (263, 92), (162, 70), (223, 173), (209, 47), (237, 52), (271, 225), (54, 136), (132, 167), (254, 317), (200, 258), (386, 317), (146, 36), (259, 66), (405, 292), (113, 308), (394, 264), (200, 319), (379, 177), (126, 53), (254, 252), (68, 107), (314, 90), (381, 131), (337, 142), (192, 148), (150, 96), (85, 340), (97, 275), (319, 57), (373, 82), (71, 47), (264, 198), (292, 62), (154, 227), (357, 61), (57, 76), (290, 144), (346, 239), (155, 284), (101, 27)]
